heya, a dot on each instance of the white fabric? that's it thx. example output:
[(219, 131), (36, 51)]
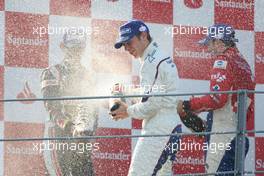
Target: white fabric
[(158, 113), (225, 120)]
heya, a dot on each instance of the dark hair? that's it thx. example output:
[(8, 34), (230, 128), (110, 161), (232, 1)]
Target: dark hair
[(148, 36), (227, 43), (230, 43)]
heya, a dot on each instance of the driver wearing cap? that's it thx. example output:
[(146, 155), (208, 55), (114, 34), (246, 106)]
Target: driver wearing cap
[(151, 156), (230, 71)]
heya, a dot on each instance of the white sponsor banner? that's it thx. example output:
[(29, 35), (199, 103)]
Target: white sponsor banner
[(249, 165), (246, 45), (191, 86), (2, 38), (193, 13), (22, 83), (112, 9), (1, 148), (259, 111), (28, 6), (258, 21), (134, 140)]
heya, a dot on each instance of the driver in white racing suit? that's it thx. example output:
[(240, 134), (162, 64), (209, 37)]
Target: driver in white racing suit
[(158, 74)]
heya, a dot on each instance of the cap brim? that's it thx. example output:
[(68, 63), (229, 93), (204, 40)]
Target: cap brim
[(121, 41), (118, 45)]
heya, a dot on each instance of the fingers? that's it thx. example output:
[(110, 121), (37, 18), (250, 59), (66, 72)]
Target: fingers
[(117, 101), (116, 118), (117, 115), (180, 109), (120, 112)]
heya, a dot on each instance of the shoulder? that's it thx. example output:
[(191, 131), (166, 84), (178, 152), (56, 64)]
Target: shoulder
[(168, 66), (164, 60), (156, 54)]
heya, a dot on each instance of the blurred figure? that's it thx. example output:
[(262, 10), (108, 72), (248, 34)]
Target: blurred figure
[(229, 72), (70, 118)]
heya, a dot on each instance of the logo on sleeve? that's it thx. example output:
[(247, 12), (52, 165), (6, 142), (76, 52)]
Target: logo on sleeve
[(151, 56), (218, 77), (216, 87), (220, 64)]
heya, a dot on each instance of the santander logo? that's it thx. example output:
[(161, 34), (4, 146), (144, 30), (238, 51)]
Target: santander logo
[(26, 93), (193, 4)]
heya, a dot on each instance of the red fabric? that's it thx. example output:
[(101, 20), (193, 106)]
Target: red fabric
[(236, 74)]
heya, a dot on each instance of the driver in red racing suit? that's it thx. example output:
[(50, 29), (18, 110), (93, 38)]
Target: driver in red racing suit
[(230, 72)]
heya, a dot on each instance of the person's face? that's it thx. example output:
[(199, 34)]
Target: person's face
[(136, 45), (216, 47)]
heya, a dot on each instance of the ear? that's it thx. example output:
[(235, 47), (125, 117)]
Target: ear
[(143, 35)]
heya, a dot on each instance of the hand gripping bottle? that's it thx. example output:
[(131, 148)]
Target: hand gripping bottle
[(117, 90)]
